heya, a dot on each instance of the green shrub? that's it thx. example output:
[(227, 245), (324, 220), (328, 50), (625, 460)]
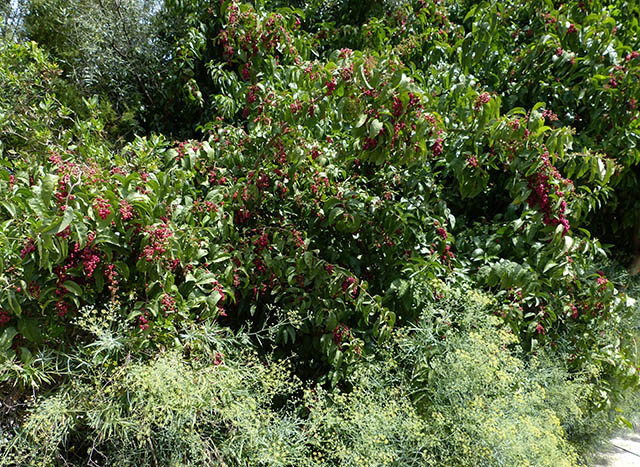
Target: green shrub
[(164, 412), (316, 203), (454, 388)]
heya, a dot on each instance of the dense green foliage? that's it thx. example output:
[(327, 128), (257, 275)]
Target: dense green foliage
[(336, 166)]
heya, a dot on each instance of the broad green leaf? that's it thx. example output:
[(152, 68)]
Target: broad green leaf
[(73, 288), (374, 128)]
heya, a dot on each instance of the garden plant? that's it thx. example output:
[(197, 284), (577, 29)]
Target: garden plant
[(298, 233)]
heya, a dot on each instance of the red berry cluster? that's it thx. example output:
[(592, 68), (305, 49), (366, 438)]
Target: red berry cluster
[(481, 100), (341, 332), (398, 108), (65, 170), (103, 207), (349, 283), (217, 287), (218, 359), (144, 321), (437, 147), (126, 210), (29, 247), (90, 259), (4, 317), (602, 281), (369, 143), (168, 304), (541, 186), (574, 311), (242, 216), (158, 242), (331, 86), (448, 255), (214, 179), (112, 278), (261, 242), (62, 308)]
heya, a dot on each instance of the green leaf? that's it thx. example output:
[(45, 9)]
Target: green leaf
[(9, 207), (46, 189), (13, 303), (375, 127), (30, 329), (335, 212), (60, 225), (308, 258), (73, 288), (6, 338)]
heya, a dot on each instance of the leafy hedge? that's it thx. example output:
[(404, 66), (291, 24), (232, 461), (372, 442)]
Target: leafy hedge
[(326, 176)]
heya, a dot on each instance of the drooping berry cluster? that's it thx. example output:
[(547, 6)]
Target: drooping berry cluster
[(144, 321), (4, 317), (158, 242), (126, 210), (103, 207), (544, 183), (341, 332)]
